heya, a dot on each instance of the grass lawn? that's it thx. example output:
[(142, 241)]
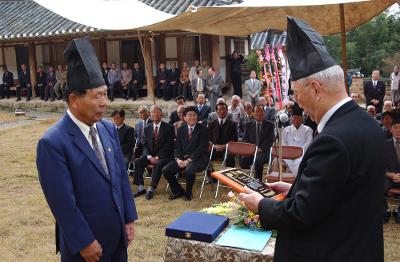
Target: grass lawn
[(27, 226)]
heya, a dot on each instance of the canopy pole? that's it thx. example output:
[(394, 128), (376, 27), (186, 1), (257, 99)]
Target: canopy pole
[(145, 44), (343, 38)]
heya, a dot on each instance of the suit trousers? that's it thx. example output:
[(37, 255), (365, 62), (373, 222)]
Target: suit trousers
[(48, 92), (140, 165), (4, 91), (119, 255), (172, 168), (28, 90), (133, 91), (261, 159), (388, 184), (237, 83)]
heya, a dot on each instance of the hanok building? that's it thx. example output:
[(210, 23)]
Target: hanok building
[(33, 35)]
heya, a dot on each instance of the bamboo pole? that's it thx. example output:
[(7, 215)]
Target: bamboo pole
[(343, 40), (32, 66), (145, 45)]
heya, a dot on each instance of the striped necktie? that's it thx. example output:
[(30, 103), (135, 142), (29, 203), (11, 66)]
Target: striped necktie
[(99, 153)]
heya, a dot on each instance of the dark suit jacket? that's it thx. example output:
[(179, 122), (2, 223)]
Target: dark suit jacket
[(195, 148), (174, 76), (86, 204), (126, 136), (267, 136), (377, 93), (203, 114), (392, 163), (229, 132), (138, 75), (41, 78), (139, 130), (161, 75), (24, 79), (333, 211), (8, 78), (164, 149), (173, 118), (51, 79)]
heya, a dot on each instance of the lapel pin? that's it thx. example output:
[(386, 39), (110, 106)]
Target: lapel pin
[(109, 149)]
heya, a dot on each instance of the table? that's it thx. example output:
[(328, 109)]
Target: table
[(178, 250)]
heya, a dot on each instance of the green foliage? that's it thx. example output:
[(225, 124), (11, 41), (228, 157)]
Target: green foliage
[(369, 45), (252, 62)]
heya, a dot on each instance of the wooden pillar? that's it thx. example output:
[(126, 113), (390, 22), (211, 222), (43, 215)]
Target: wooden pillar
[(51, 53), (343, 38), (32, 66), (3, 56), (215, 54), (145, 44), (103, 50)]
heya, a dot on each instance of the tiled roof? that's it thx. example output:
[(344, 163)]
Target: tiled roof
[(21, 19), (27, 19)]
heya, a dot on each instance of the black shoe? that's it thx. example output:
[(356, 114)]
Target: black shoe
[(180, 194), (46, 100), (139, 193), (149, 195), (52, 100), (188, 197), (111, 99), (133, 99), (18, 99), (28, 99), (386, 216)]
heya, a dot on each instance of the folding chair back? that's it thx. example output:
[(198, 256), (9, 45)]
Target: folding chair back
[(288, 152)]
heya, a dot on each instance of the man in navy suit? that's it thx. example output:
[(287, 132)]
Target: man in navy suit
[(144, 115), (81, 169), (24, 78), (374, 91)]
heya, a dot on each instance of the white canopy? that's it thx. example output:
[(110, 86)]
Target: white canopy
[(237, 20)]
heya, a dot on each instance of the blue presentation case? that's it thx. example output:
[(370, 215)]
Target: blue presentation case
[(197, 226)]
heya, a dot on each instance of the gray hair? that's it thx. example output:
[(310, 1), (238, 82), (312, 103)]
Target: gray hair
[(155, 107), (331, 77), (371, 106), (145, 108), (220, 100), (235, 97), (203, 95)]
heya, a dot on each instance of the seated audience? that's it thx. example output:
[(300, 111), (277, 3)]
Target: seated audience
[(40, 82), (297, 134), (181, 112), (191, 155), (179, 100), (392, 177), (138, 78), (8, 81), (246, 118), (371, 110), (24, 81), (173, 81), (185, 87), (222, 131), (59, 86), (386, 122), (144, 115), (114, 80), (387, 107), (203, 110), (50, 83), (158, 149), (126, 80), (213, 115), (253, 87), (162, 82), (126, 134), (261, 133)]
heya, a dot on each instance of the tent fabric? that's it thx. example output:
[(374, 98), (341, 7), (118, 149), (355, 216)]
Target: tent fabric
[(234, 20)]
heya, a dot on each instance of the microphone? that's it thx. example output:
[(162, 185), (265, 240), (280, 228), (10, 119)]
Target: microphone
[(283, 118)]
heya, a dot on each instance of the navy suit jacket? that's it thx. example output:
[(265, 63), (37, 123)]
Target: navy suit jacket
[(86, 205)]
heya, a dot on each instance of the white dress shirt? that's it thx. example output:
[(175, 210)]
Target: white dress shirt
[(325, 118), (85, 130)]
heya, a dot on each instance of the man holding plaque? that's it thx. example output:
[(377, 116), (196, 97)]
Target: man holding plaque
[(333, 210)]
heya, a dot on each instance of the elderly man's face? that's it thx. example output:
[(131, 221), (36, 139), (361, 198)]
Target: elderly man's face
[(375, 75), (156, 115), (259, 114), (144, 114), (262, 101), (91, 106), (201, 100), (387, 106), (222, 111), (305, 96), (234, 103), (249, 109), (371, 111), (396, 131)]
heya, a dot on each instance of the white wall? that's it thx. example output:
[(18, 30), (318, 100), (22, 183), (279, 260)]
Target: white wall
[(171, 47), (113, 54), (11, 60)]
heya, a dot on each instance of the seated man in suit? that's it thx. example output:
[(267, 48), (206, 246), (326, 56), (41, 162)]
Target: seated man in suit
[(158, 147), (253, 87), (246, 118), (222, 131), (203, 110), (191, 155), (261, 133), (173, 80), (374, 91), (173, 118), (8, 81), (137, 81), (386, 122), (162, 82), (24, 79), (144, 115), (392, 178), (198, 84), (213, 115), (126, 134)]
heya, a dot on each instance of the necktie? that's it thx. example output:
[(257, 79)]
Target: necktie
[(221, 122), (200, 108), (97, 151), (398, 149), (155, 137), (252, 82), (258, 132), (190, 133)]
